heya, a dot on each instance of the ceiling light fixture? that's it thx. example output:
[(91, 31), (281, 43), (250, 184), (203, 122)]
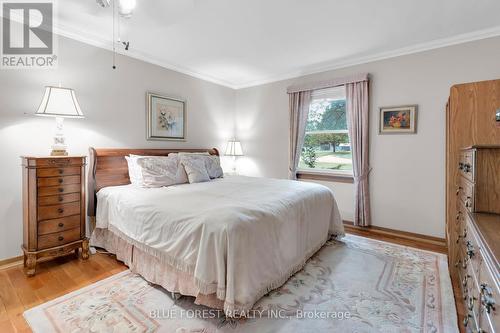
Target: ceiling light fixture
[(126, 8), (103, 3)]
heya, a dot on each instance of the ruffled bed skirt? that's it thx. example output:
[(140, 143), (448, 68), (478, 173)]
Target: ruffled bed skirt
[(175, 279), (153, 269)]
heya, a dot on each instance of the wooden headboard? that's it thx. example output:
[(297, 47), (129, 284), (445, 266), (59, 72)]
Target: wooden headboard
[(108, 167)]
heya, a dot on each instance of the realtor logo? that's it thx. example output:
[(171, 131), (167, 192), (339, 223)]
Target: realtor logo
[(28, 40)]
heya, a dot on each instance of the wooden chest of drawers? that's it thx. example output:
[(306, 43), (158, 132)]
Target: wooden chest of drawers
[(477, 236), (53, 208), (479, 188)]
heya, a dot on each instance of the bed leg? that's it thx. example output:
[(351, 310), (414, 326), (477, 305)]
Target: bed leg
[(175, 296), (85, 249)]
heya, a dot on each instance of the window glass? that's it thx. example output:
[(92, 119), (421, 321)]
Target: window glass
[(327, 146)]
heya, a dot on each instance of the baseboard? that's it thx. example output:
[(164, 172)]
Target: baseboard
[(436, 243), (11, 262)]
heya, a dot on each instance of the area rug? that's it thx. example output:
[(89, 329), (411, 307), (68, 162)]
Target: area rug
[(352, 285)]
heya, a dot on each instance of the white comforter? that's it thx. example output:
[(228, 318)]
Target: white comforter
[(240, 237)]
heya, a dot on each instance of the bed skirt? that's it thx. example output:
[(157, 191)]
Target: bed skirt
[(157, 271)]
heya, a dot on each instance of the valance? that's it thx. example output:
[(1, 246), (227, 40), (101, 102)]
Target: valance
[(308, 86)]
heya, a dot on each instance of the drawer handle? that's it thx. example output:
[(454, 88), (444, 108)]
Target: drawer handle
[(466, 319), (486, 298), (60, 180), (61, 199), (460, 166), (485, 289), (60, 189), (61, 171), (59, 162), (467, 168), (61, 225), (60, 210), (464, 282), (470, 306), (470, 249), (60, 238), (488, 302), (459, 188), (458, 215)]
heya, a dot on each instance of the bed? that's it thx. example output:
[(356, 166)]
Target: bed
[(227, 242)]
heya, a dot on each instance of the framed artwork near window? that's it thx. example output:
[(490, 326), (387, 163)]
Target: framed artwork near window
[(166, 118), (398, 119)]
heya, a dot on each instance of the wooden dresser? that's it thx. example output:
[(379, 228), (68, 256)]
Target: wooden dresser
[(477, 236), (53, 208), (472, 195)]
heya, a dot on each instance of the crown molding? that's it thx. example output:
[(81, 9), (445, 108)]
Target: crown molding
[(87, 38), (353, 61)]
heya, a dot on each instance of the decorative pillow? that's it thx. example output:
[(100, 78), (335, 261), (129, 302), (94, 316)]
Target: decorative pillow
[(196, 169), (181, 176), (134, 169), (158, 171), (212, 163)]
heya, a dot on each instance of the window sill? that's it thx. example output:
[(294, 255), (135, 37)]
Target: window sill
[(326, 176)]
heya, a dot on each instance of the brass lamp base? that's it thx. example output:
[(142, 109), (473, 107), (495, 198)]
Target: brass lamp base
[(58, 152)]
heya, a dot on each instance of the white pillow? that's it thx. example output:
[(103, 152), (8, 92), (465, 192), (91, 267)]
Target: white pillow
[(135, 174), (158, 171), (181, 175), (134, 170), (212, 163), (196, 169)]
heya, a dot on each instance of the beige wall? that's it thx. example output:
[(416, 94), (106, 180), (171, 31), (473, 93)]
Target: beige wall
[(408, 177), (407, 182), (113, 102)]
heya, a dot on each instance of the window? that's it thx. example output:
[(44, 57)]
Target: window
[(327, 147)]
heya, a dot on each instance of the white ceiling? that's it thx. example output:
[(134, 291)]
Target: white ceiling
[(243, 43)]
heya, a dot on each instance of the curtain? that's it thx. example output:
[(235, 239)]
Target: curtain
[(357, 113), (299, 109)]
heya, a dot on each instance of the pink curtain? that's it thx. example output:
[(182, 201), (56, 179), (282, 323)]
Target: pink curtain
[(357, 113), (299, 109)]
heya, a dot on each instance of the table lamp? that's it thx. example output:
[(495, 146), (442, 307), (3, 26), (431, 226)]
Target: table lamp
[(233, 149), (60, 103)]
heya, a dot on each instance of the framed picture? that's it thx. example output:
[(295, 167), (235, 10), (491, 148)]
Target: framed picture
[(398, 120), (166, 118)]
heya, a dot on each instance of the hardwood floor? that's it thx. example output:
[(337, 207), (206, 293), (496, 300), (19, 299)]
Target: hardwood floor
[(401, 238), (53, 279), (63, 275)]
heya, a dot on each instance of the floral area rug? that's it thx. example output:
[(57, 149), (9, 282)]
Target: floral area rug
[(353, 285)]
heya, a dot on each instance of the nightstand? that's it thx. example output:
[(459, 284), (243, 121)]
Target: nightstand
[(53, 208)]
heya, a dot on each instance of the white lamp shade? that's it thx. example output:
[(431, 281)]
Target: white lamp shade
[(233, 148), (59, 102)]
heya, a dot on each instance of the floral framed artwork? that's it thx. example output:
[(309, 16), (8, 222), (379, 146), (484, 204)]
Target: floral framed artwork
[(398, 120), (166, 118)]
